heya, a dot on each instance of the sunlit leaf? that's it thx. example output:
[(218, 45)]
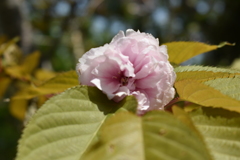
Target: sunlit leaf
[(65, 125), (156, 135), (227, 86), (18, 108), (30, 62), (183, 117), (202, 94), (16, 72), (43, 75), (181, 51), (55, 85), (211, 83), (24, 70), (204, 68), (204, 73), (221, 134)]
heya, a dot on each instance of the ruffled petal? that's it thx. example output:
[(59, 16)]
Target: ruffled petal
[(134, 64)]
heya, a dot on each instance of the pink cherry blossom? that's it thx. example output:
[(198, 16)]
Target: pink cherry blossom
[(131, 64)]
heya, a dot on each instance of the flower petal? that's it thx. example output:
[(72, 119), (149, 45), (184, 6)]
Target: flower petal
[(134, 64)]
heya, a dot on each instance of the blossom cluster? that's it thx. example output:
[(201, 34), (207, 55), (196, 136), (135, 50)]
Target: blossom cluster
[(131, 64)]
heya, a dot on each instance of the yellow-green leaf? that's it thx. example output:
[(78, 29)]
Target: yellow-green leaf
[(221, 134), (222, 81), (55, 85), (16, 72), (155, 136), (183, 117), (204, 68), (30, 62), (43, 75), (65, 125), (227, 86), (204, 73), (24, 70), (181, 51), (202, 94)]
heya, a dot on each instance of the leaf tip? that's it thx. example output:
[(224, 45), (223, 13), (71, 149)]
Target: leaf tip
[(222, 44)]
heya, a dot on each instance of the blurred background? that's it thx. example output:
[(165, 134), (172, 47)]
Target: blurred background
[(63, 30)]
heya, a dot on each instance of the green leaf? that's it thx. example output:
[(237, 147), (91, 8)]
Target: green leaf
[(54, 85), (181, 51), (156, 135), (183, 117), (65, 125), (202, 94), (204, 73), (227, 86), (204, 68), (221, 134), (209, 86)]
